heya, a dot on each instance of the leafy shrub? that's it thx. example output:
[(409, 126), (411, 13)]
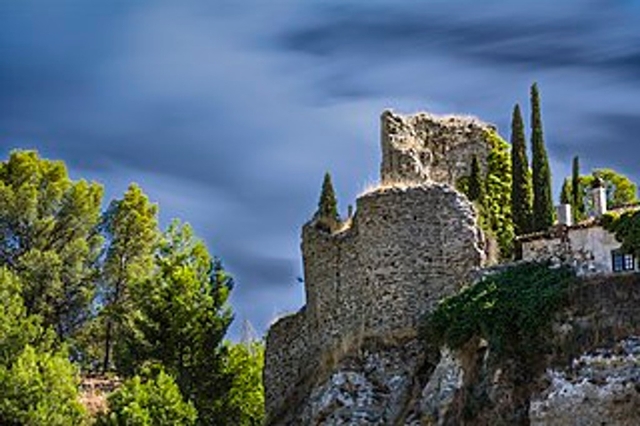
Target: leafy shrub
[(155, 401), (38, 384), (243, 405), (512, 310), (40, 388)]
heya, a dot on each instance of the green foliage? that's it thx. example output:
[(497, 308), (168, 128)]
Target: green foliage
[(243, 405), (626, 227), (47, 237), (621, 191), (512, 310), (40, 388), (475, 181), (566, 196), (17, 329), (521, 195), (162, 300), (543, 212), (576, 187), (131, 229), (327, 213), (154, 401), (497, 195), (38, 385), (178, 317)]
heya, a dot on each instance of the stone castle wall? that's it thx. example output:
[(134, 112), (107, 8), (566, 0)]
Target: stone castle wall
[(404, 250), (423, 147), (406, 247)]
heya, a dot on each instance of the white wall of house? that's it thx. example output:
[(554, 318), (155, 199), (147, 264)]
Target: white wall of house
[(587, 249), (591, 248)]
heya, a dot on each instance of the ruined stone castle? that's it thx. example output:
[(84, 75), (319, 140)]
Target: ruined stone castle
[(411, 242)]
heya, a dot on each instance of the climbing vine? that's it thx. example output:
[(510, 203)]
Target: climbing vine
[(494, 204), (512, 310)]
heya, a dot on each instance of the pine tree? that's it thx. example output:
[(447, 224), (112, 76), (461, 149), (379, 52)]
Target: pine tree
[(475, 181), (131, 230), (521, 182), (542, 201), (566, 195), (577, 203), (327, 213)]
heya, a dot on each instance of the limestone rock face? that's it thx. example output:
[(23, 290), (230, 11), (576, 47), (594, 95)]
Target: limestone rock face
[(439, 393), (600, 387), (371, 388)]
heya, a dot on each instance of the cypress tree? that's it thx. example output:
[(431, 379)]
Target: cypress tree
[(475, 180), (566, 196), (542, 201), (327, 212), (577, 203), (521, 176)]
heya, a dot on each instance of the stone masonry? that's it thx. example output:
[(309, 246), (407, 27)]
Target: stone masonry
[(406, 247), (423, 147)]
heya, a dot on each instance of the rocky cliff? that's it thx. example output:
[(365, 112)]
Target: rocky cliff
[(590, 377), (353, 354)]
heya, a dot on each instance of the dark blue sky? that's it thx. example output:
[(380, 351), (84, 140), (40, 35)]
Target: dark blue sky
[(229, 112)]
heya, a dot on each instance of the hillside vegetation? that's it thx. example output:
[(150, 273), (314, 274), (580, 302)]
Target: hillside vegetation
[(93, 291)]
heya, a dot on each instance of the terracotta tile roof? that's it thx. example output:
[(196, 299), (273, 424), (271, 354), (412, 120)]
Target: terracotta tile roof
[(557, 231)]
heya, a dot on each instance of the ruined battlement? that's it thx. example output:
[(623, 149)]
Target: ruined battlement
[(412, 241), (426, 147)]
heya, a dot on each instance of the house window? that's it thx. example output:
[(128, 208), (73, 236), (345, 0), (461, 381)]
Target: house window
[(623, 261)]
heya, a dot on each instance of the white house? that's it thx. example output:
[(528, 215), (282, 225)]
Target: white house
[(586, 246)]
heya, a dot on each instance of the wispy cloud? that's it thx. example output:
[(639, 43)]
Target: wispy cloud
[(229, 112)]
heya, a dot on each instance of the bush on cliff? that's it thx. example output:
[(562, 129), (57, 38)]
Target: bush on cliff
[(154, 400), (512, 310)]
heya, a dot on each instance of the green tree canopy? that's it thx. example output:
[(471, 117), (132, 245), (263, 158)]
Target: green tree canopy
[(497, 194), (576, 188), (179, 317), (38, 384), (621, 191), (475, 181), (566, 196), (543, 212), (243, 405), (131, 229), (152, 401), (521, 195), (48, 238), (327, 214)]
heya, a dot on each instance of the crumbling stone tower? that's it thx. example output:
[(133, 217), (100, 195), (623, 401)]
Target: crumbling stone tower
[(423, 147), (412, 241)]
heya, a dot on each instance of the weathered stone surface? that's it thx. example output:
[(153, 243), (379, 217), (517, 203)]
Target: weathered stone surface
[(351, 356), (370, 388), (439, 393), (404, 250), (423, 147), (406, 247), (601, 387)]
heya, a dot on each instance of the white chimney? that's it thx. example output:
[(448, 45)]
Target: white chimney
[(599, 193), (563, 212)]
